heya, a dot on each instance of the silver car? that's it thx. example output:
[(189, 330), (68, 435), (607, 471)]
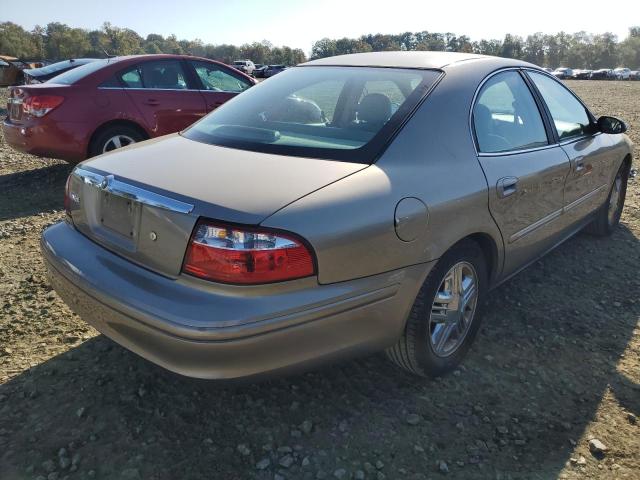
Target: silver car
[(349, 205)]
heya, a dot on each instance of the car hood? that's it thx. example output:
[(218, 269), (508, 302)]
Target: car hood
[(223, 183)]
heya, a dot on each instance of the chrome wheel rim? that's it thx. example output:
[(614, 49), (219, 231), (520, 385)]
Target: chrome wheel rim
[(453, 309), (614, 199), (117, 141)]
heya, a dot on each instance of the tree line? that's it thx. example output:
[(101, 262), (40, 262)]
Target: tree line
[(577, 50), (58, 41)]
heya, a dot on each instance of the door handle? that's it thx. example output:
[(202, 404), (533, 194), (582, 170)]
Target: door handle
[(151, 101), (507, 186)]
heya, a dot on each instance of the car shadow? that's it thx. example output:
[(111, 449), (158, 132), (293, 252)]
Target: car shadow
[(548, 353), (45, 186)]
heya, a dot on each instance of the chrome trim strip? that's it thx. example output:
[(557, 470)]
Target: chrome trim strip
[(584, 198), (204, 90), (116, 187), (515, 152), (534, 226), (88, 177), (553, 215), (576, 139), (153, 89)]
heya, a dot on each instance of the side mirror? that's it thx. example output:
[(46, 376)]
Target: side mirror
[(611, 125)]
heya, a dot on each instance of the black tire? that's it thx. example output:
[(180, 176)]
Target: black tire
[(604, 224), (104, 136), (414, 351)]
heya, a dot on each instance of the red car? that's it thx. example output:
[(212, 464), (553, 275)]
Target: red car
[(114, 102)]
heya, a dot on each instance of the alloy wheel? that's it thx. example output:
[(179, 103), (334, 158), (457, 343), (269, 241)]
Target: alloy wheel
[(453, 309), (615, 199), (117, 141)]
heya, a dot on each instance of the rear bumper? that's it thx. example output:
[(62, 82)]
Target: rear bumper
[(213, 331), (63, 140)]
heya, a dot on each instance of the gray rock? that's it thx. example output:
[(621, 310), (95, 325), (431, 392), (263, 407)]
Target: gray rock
[(306, 462), (379, 464), (380, 476), (49, 466), (243, 450), (64, 462), (340, 473), (596, 447), (442, 466), (277, 476), (263, 464), (80, 412), (53, 476), (359, 475), (306, 426), (286, 461), (413, 419), (130, 474), (632, 418)]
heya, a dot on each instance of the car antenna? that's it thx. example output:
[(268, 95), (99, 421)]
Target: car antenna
[(106, 53)]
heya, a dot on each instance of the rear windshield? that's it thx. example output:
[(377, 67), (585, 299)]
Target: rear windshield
[(337, 113), (56, 67), (72, 76)]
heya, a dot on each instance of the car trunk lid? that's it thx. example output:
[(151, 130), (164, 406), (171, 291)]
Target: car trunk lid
[(144, 204)]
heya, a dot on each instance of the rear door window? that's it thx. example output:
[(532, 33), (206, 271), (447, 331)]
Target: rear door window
[(506, 117), (165, 75)]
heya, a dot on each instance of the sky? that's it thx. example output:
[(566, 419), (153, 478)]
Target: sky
[(299, 23)]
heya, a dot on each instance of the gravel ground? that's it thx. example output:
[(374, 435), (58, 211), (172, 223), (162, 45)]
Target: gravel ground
[(551, 388)]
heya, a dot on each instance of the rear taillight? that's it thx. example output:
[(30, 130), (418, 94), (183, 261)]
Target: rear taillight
[(244, 255), (40, 105)]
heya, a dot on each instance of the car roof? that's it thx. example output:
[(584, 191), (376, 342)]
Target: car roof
[(413, 59)]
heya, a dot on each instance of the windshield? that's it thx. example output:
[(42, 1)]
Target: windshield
[(337, 113), (72, 76)]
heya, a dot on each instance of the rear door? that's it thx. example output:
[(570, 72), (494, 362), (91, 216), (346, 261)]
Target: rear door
[(164, 94), (525, 170), (592, 162), (216, 83)]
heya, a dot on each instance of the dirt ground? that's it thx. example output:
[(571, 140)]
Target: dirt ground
[(556, 364)]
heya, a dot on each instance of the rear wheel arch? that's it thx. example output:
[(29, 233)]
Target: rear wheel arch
[(114, 123), (489, 248)]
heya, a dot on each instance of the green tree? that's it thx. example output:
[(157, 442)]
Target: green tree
[(17, 42)]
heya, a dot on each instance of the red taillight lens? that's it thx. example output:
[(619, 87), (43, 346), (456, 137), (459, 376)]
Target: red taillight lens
[(40, 105), (246, 256)]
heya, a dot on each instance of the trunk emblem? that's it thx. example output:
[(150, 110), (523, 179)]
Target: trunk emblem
[(153, 236)]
